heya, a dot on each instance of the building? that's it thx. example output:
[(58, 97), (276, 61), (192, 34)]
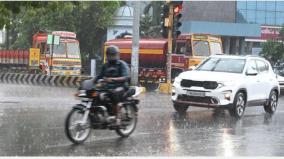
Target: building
[(219, 18), (243, 25), (123, 22), (269, 14)]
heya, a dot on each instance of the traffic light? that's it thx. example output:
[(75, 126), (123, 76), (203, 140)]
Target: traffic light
[(165, 20), (177, 7)]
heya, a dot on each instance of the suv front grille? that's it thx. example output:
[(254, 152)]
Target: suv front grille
[(208, 100), (204, 84)]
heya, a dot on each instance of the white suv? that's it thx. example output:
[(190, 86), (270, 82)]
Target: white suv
[(225, 81)]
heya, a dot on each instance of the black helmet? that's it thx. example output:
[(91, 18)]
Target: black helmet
[(112, 50), (112, 53)]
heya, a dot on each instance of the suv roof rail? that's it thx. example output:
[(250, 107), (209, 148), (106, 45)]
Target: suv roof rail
[(255, 56)]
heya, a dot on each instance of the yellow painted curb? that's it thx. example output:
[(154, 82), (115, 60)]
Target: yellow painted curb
[(139, 89), (165, 88)]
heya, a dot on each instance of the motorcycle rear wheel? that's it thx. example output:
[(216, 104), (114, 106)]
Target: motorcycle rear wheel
[(81, 130), (131, 120)]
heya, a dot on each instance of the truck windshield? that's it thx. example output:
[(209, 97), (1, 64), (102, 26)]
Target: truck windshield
[(222, 65), (73, 49), (201, 48), (59, 49), (215, 48)]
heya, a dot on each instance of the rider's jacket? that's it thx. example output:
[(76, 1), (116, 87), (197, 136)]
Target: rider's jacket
[(118, 68)]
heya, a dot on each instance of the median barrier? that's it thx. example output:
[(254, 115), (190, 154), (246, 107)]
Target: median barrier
[(45, 80)]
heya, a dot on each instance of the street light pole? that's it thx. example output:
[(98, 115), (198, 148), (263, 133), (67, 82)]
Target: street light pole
[(135, 45)]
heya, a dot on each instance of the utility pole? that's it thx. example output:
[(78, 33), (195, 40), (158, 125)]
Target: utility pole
[(135, 44), (170, 48)]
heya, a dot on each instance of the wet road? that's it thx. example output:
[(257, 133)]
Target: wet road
[(31, 124)]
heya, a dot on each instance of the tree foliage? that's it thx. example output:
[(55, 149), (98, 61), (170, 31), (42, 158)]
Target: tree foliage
[(151, 21), (273, 50)]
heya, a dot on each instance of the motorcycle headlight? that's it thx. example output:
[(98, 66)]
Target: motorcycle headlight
[(82, 93)]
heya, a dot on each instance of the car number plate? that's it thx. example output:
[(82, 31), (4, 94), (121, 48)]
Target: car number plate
[(197, 94)]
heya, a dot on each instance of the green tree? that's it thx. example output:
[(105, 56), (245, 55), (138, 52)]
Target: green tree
[(151, 21), (9, 11), (273, 51), (281, 34), (156, 7), (89, 19)]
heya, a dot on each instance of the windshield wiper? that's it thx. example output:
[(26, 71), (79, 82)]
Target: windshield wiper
[(215, 65)]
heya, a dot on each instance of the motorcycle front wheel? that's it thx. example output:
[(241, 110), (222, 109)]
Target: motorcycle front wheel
[(76, 130), (128, 121)]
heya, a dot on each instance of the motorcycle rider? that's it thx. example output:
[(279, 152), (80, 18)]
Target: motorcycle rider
[(116, 73)]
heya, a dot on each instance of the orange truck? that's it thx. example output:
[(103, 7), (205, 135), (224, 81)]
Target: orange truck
[(58, 55), (190, 50)]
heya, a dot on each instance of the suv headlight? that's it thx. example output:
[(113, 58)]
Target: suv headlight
[(177, 80), (227, 94), (225, 83)]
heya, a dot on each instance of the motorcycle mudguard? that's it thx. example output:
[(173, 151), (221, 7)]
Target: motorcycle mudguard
[(135, 108), (79, 107), (134, 105)]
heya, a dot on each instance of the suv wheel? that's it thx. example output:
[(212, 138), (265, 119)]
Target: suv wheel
[(239, 105), (271, 105), (180, 108)]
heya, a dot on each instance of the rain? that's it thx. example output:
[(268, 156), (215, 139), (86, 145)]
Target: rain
[(32, 124)]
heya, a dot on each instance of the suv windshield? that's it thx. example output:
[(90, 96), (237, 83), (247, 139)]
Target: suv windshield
[(215, 48), (222, 65)]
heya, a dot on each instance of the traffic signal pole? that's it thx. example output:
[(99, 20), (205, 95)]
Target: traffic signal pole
[(167, 87), (172, 23)]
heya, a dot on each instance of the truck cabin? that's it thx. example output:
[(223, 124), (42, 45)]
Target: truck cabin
[(198, 45), (68, 46)]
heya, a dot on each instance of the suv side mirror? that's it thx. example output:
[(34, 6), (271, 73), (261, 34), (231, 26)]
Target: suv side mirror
[(251, 72)]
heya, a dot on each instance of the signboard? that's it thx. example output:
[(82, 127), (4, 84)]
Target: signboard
[(270, 32), (267, 33), (2, 37), (256, 51), (34, 57), (49, 39), (65, 34), (56, 40)]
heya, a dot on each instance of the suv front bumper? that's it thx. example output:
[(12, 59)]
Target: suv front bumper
[(202, 104), (212, 98)]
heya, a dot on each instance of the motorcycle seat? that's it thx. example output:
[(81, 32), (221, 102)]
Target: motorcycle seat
[(87, 84), (129, 92)]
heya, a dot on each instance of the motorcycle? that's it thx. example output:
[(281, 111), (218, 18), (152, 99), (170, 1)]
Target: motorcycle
[(95, 110)]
